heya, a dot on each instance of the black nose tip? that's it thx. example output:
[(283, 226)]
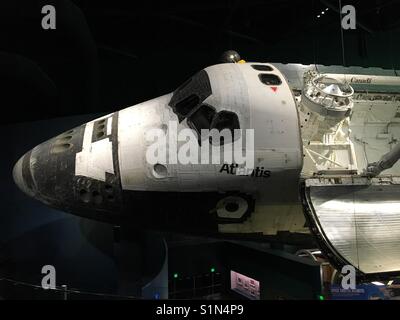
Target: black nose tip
[(21, 174)]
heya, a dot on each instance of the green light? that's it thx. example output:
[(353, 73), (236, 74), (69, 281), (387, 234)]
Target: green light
[(321, 298), (175, 275), (212, 270)]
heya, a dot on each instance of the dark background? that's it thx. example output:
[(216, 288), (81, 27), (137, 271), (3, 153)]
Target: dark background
[(104, 57)]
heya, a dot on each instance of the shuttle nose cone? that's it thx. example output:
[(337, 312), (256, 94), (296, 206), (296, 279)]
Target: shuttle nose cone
[(55, 172), (18, 174), (46, 173)]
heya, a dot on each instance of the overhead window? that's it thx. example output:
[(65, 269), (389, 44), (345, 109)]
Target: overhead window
[(187, 105), (270, 79), (262, 67), (202, 118)]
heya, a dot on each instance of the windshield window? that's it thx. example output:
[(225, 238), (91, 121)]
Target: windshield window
[(187, 98)]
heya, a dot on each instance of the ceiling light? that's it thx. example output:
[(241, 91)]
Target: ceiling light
[(377, 283)]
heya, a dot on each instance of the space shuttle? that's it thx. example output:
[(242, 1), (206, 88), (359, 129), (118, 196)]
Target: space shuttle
[(308, 152)]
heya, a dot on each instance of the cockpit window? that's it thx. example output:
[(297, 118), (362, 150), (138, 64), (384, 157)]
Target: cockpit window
[(270, 79), (183, 85), (187, 102), (262, 67), (186, 105), (190, 95), (225, 120), (202, 118)]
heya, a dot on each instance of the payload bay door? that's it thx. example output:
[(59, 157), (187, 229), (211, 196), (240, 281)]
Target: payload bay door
[(356, 220)]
